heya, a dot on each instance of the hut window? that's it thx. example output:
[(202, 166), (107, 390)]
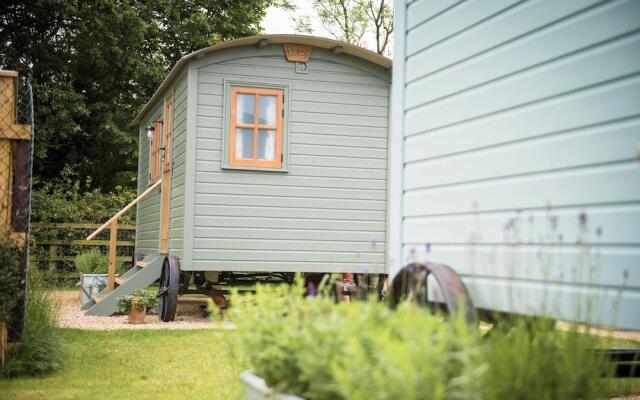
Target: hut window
[(255, 137), (155, 151)]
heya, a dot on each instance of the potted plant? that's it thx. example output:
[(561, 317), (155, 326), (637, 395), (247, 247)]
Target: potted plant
[(94, 270), (137, 305)]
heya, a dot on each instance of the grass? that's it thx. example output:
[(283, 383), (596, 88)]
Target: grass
[(152, 364), (137, 364)]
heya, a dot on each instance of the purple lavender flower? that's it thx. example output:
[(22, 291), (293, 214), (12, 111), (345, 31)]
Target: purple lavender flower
[(311, 290), (583, 218), (410, 268), (427, 247)]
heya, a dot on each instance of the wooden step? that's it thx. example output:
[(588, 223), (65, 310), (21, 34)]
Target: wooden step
[(142, 264), (120, 280), (97, 298)]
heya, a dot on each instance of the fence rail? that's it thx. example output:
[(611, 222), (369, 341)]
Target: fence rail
[(57, 245)]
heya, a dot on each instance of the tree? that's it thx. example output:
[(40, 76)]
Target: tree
[(352, 21), (94, 63), (380, 14)]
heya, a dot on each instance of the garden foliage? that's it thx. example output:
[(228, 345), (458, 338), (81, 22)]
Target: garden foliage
[(145, 299), (316, 349), (67, 200), (10, 278), (93, 262), (41, 348)]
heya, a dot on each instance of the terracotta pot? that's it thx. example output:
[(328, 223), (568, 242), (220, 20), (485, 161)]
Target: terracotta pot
[(136, 316)]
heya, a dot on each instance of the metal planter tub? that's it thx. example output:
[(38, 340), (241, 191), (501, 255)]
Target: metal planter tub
[(255, 388), (91, 284)]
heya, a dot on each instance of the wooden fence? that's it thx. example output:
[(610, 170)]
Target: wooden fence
[(55, 246)]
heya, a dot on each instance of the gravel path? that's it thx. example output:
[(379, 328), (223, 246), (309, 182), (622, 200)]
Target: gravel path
[(189, 316)]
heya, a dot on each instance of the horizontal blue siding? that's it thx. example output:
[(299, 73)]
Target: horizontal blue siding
[(521, 124)]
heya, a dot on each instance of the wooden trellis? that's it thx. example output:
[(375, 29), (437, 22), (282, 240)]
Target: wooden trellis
[(15, 155)]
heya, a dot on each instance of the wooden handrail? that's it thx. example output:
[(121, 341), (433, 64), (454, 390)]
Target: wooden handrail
[(113, 234), (125, 209)]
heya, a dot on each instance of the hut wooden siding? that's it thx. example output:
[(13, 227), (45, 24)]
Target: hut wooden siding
[(512, 118), (148, 211), (326, 211)]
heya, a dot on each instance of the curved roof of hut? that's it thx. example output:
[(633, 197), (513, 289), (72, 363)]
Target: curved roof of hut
[(314, 41)]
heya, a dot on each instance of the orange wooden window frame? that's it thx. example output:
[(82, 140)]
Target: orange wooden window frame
[(255, 161), (154, 151)]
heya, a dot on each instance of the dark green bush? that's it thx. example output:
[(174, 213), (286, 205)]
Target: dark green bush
[(10, 278), (68, 200), (41, 348)]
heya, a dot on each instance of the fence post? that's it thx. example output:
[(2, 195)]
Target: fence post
[(113, 239), (53, 255)]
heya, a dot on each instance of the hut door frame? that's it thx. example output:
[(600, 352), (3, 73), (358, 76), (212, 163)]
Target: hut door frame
[(166, 176)]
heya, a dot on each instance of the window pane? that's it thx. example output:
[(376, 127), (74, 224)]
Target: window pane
[(268, 110), (245, 108), (266, 145), (244, 143)]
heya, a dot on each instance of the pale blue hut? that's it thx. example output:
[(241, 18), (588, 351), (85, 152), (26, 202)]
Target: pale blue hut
[(515, 152)]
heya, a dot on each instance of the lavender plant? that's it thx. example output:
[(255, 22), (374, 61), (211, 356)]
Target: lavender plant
[(319, 350)]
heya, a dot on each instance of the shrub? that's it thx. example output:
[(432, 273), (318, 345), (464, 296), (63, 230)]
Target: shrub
[(320, 350), (10, 278), (93, 262), (66, 199), (41, 348), (532, 360)]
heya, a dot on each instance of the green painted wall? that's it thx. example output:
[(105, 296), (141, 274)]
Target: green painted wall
[(176, 229), (328, 212), (148, 211)]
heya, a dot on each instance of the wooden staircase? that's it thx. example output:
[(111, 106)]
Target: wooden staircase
[(141, 275)]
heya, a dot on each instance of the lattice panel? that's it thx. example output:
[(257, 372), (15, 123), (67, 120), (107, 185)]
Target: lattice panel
[(16, 130)]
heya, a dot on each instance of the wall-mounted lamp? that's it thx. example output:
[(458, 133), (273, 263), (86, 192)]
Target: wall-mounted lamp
[(150, 129)]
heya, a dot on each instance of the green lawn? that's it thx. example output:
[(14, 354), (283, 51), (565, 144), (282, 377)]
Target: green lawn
[(137, 364), (160, 364)]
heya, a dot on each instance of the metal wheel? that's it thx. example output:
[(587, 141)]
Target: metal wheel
[(411, 284), (169, 288)]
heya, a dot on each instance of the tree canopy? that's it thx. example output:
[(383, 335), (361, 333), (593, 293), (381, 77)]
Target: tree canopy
[(94, 63)]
